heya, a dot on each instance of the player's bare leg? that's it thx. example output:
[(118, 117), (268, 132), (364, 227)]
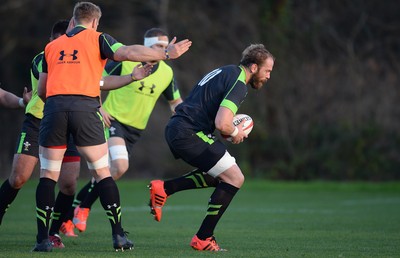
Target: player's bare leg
[(22, 168), (119, 157)]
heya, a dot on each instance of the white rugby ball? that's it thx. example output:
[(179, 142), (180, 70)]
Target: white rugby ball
[(247, 125)]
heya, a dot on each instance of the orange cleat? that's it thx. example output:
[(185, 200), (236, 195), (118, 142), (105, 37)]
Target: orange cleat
[(80, 217), (210, 244), (67, 228), (158, 197)]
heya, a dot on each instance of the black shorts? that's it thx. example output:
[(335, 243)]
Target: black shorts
[(130, 134), (197, 149), (28, 140), (71, 151), (86, 128)]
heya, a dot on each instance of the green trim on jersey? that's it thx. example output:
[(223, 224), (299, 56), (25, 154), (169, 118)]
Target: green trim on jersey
[(242, 75), (116, 46), (229, 104), (176, 95), (133, 104), (35, 105)]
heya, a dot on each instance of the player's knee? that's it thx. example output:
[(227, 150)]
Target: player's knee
[(118, 168), (17, 181), (235, 180), (68, 188), (119, 160), (239, 180), (233, 176)]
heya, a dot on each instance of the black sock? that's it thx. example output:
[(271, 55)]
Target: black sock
[(7, 196), (219, 201), (61, 208), (44, 206), (192, 180), (90, 198), (70, 212), (84, 192), (109, 198)]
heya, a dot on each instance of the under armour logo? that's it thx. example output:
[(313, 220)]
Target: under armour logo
[(48, 208), (144, 86), (26, 146), (113, 205), (112, 130), (62, 55)]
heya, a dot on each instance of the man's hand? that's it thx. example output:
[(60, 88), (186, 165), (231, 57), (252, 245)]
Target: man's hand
[(241, 135), (175, 50), (106, 117), (26, 96), (141, 71)]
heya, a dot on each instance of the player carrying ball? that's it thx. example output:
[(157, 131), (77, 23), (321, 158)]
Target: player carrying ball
[(211, 105)]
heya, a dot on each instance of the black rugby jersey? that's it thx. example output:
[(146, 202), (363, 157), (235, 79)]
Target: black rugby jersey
[(224, 86)]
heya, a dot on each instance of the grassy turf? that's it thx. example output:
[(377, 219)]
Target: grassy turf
[(266, 219)]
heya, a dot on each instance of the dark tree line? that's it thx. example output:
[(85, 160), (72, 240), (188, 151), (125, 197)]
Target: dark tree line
[(330, 110)]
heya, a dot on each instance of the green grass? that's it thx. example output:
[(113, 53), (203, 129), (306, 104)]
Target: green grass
[(266, 219)]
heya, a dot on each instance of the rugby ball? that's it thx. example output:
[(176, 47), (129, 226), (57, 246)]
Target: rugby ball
[(247, 125)]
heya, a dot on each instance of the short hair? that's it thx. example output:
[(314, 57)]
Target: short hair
[(59, 28), (86, 11), (155, 32), (255, 54)]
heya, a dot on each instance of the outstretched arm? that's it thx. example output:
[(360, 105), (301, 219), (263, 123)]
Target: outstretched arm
[(113, 82), (140, 53), (10, 100)]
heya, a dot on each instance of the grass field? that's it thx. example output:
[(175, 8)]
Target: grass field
[(266, 219)]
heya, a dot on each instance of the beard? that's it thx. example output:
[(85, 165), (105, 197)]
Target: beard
[(256, 82)]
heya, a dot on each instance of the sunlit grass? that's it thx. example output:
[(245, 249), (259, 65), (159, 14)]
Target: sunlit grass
[(266, 219)]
